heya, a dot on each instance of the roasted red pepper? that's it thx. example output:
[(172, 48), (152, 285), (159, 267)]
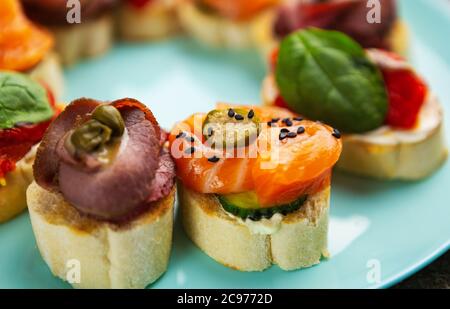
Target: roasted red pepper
[(407, 93), (16, 142)]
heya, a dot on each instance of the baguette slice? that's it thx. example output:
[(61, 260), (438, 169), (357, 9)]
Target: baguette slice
[(300, 242), (85, 40), (13, 195), (216, 31), (50, 72), (157, 20), (387, 153), (110, 255)]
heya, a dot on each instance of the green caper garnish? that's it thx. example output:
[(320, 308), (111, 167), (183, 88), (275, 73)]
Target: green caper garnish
[(89, 136), (111, 117), (230, 128)]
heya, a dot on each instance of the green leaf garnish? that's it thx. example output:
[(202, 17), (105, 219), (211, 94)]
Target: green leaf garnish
[(327, 76), (22, 100)]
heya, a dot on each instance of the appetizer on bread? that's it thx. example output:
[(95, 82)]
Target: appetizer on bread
[(104, 194), (27, 48), (356, 18), (392, 124), (147, 19), (254, 185), (226, 23), (27, 109), (91, 37)]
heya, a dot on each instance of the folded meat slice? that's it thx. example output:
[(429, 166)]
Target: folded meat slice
[(142, 172), (348, 16), (46, 165), (164, 177)]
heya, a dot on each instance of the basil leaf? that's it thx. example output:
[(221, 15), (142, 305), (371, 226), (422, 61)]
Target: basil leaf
[(325, 75), (22, 100)]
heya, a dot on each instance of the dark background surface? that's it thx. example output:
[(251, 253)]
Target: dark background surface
[(434, 276)]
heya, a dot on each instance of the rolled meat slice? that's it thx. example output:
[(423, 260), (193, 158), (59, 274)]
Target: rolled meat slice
[(348, 16), (140, 173)]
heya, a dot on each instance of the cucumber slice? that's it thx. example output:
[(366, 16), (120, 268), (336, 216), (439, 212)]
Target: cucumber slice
[(245, 205), (230, 128)]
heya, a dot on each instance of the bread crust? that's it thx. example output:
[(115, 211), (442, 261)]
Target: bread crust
[(13, 195), (85, 40), (216, 31), (130, 255), (300, 242), (408, 161), (157, 20), (398, 38), (50, 72)]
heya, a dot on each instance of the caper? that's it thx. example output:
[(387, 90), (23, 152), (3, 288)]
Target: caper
[(111, 117), (89, 136), (70, 147)]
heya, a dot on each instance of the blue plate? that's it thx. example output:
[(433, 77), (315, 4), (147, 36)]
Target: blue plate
[(380, 232)]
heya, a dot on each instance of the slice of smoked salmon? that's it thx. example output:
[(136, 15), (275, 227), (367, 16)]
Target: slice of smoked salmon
[(282, 170)]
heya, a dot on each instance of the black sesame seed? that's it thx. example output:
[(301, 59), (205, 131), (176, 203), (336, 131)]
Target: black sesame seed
[(190, 139), (336, 133), (283, 135), (255, 217), (284, 130), (287, 121), (214, 159), (251, 114), (231, 113), (268, 215), (298, 118), (190, 150), (180, 135), (210, 131), (238, 117), (300, 130), (292, 135), (270, 124), (275, 119)]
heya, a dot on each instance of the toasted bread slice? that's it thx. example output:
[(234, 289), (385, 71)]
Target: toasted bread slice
[(217, 31), (85, 40), (388, 153), (13, 191), (130, 255), (300, 241), (398, 38), (49, 71), (156, 20)]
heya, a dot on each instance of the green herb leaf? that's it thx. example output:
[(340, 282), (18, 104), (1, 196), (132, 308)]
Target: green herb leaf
[(325, 75), (22, 100)]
